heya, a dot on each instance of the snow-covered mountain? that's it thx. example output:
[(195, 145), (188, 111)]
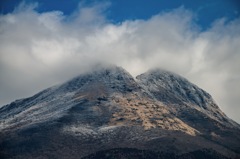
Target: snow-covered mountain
[(181, 95), (107, 108)]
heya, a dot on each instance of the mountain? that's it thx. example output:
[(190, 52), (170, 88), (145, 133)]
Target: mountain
[(185, 100), (106, 113)]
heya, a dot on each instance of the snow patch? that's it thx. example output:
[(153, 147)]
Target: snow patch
[(86, 130)]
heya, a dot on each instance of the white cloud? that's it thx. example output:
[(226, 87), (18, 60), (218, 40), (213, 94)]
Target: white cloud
[(38, 50)]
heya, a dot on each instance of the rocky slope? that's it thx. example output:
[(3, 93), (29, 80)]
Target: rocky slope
[(158, 113)]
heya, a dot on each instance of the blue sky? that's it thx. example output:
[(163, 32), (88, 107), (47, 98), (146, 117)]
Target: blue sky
[(205, 11), (47, 42)]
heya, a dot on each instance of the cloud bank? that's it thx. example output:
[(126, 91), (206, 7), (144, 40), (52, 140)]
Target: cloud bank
[(38, 50)]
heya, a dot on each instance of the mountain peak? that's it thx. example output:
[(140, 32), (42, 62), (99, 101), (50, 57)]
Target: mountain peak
[(110, 76), (106, 107), (176, 85), (177, 92)]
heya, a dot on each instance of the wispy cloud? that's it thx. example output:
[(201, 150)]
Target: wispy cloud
[(38, 50)]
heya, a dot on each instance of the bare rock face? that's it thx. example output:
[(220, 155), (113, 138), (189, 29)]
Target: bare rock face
[(159, 114)]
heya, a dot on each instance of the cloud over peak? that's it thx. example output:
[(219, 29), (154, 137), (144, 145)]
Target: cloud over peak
[(38, 50)]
